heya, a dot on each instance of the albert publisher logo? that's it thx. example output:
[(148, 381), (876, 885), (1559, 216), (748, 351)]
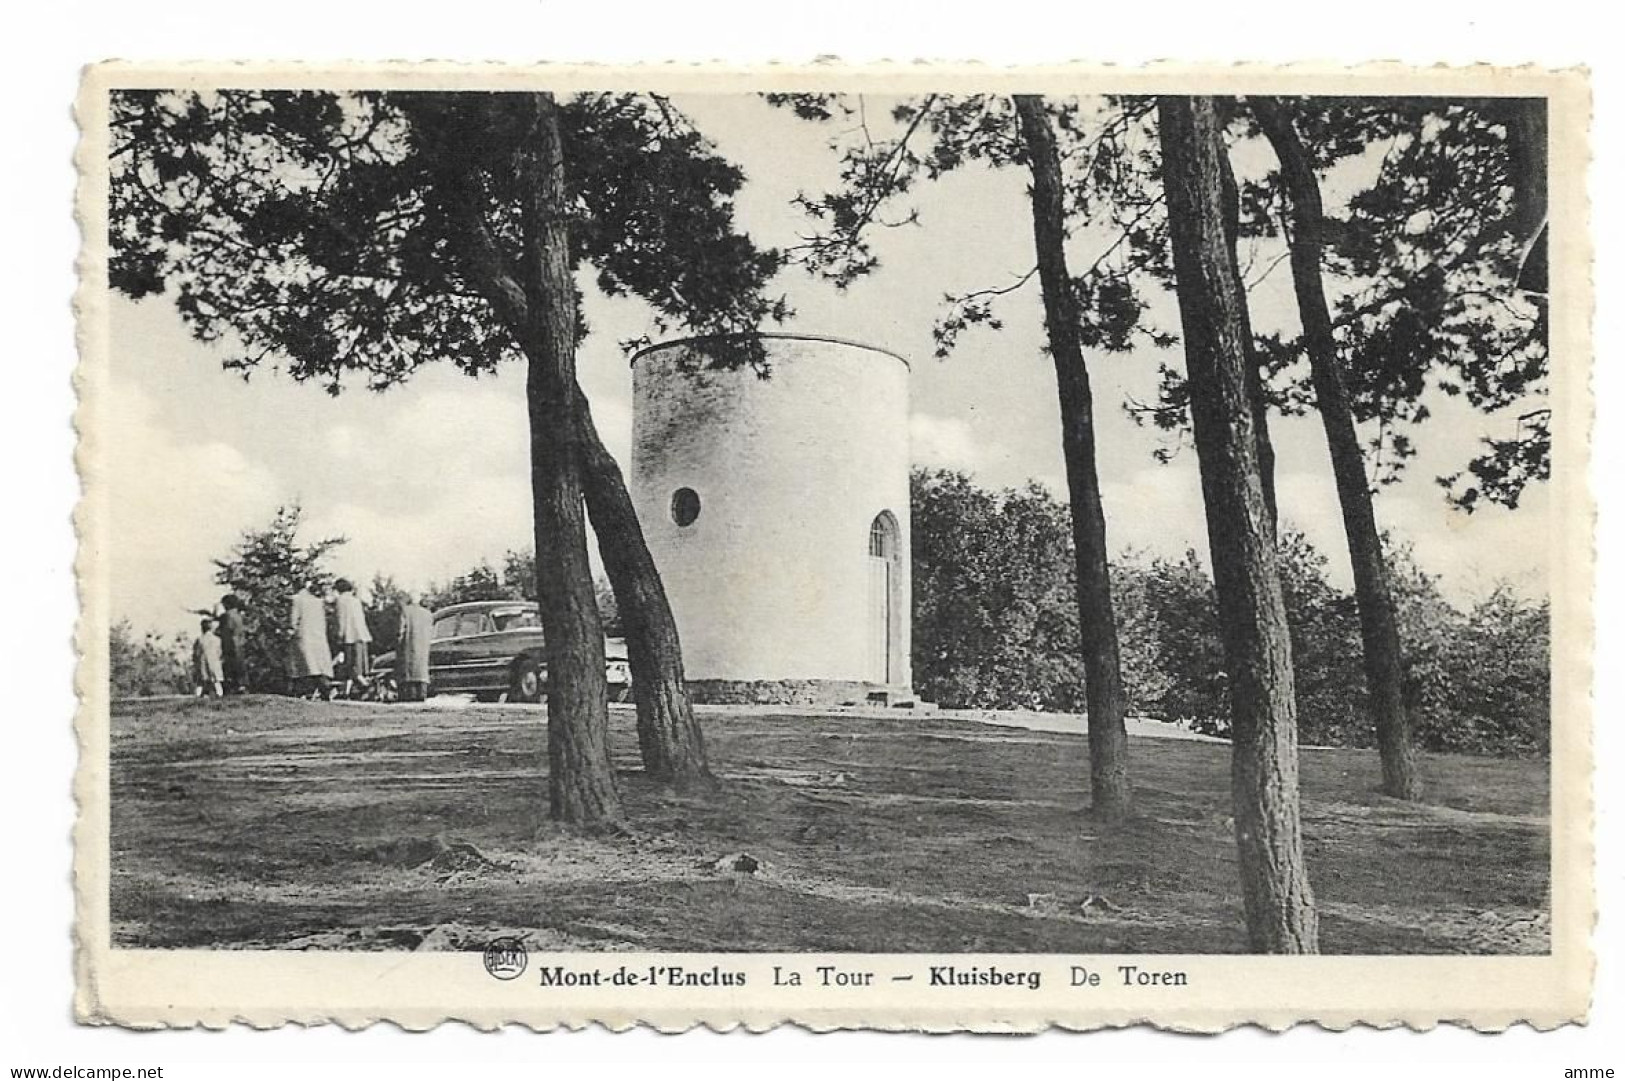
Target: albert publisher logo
[(505, 958)]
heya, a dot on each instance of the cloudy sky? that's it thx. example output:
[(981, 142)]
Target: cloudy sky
[(427, 479)]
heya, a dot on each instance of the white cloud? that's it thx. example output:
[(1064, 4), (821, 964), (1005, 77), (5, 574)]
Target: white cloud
[(613, 418), (1157, 510), (1308, 505), (482, 518), (172, 507), (944, 443), (1473, 552), (425, 480)]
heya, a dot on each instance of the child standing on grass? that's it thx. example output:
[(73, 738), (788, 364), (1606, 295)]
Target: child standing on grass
[(208, 674)]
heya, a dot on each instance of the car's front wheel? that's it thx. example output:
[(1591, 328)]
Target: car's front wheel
[(526, 682)]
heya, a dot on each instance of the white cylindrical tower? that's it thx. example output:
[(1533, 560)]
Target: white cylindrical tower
[(777, 510)]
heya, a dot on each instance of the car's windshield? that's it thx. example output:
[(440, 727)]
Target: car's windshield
[(513, 619), (465, 624), (462, 625)]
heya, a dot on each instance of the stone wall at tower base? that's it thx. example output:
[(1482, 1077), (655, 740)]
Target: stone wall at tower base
[(795, 692)]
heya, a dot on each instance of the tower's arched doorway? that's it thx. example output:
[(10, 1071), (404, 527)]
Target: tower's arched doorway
[(884, 616)]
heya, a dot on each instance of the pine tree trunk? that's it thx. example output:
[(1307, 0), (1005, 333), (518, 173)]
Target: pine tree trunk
[(1258, 652), (1526, 125), (668, 735), (582, 782), (1111, 793), (1379, 629), (1255, 376), (1525, 120)]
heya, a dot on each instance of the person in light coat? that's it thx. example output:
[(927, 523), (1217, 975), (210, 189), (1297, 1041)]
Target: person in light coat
[(311, 663), (354, 636), (412, 650), (207, 674)]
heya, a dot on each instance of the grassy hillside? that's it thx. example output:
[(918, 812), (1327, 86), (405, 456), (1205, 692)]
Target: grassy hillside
[(270, 823)]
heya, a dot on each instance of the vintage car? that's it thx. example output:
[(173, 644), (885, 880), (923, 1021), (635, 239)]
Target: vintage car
[(492, 649)]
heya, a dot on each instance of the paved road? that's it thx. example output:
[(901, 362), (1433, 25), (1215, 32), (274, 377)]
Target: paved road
[(1031, 720)]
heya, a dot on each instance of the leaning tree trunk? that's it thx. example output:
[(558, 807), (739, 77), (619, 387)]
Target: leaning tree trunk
[(1111, 793), (1258, 650), (1379, 629), (668, 735), (582, 780)]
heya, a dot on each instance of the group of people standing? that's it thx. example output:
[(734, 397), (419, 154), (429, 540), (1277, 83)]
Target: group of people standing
[(218, 653), (311, 657)]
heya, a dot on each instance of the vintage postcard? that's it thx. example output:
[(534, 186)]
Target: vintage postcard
[(904, 548)]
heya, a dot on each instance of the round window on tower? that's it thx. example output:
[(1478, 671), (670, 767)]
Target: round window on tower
[(685, 506)]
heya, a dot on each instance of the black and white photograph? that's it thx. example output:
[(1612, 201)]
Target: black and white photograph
[(539, 522)]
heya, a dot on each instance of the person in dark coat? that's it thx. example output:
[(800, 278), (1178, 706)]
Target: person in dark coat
[(232, 643)]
